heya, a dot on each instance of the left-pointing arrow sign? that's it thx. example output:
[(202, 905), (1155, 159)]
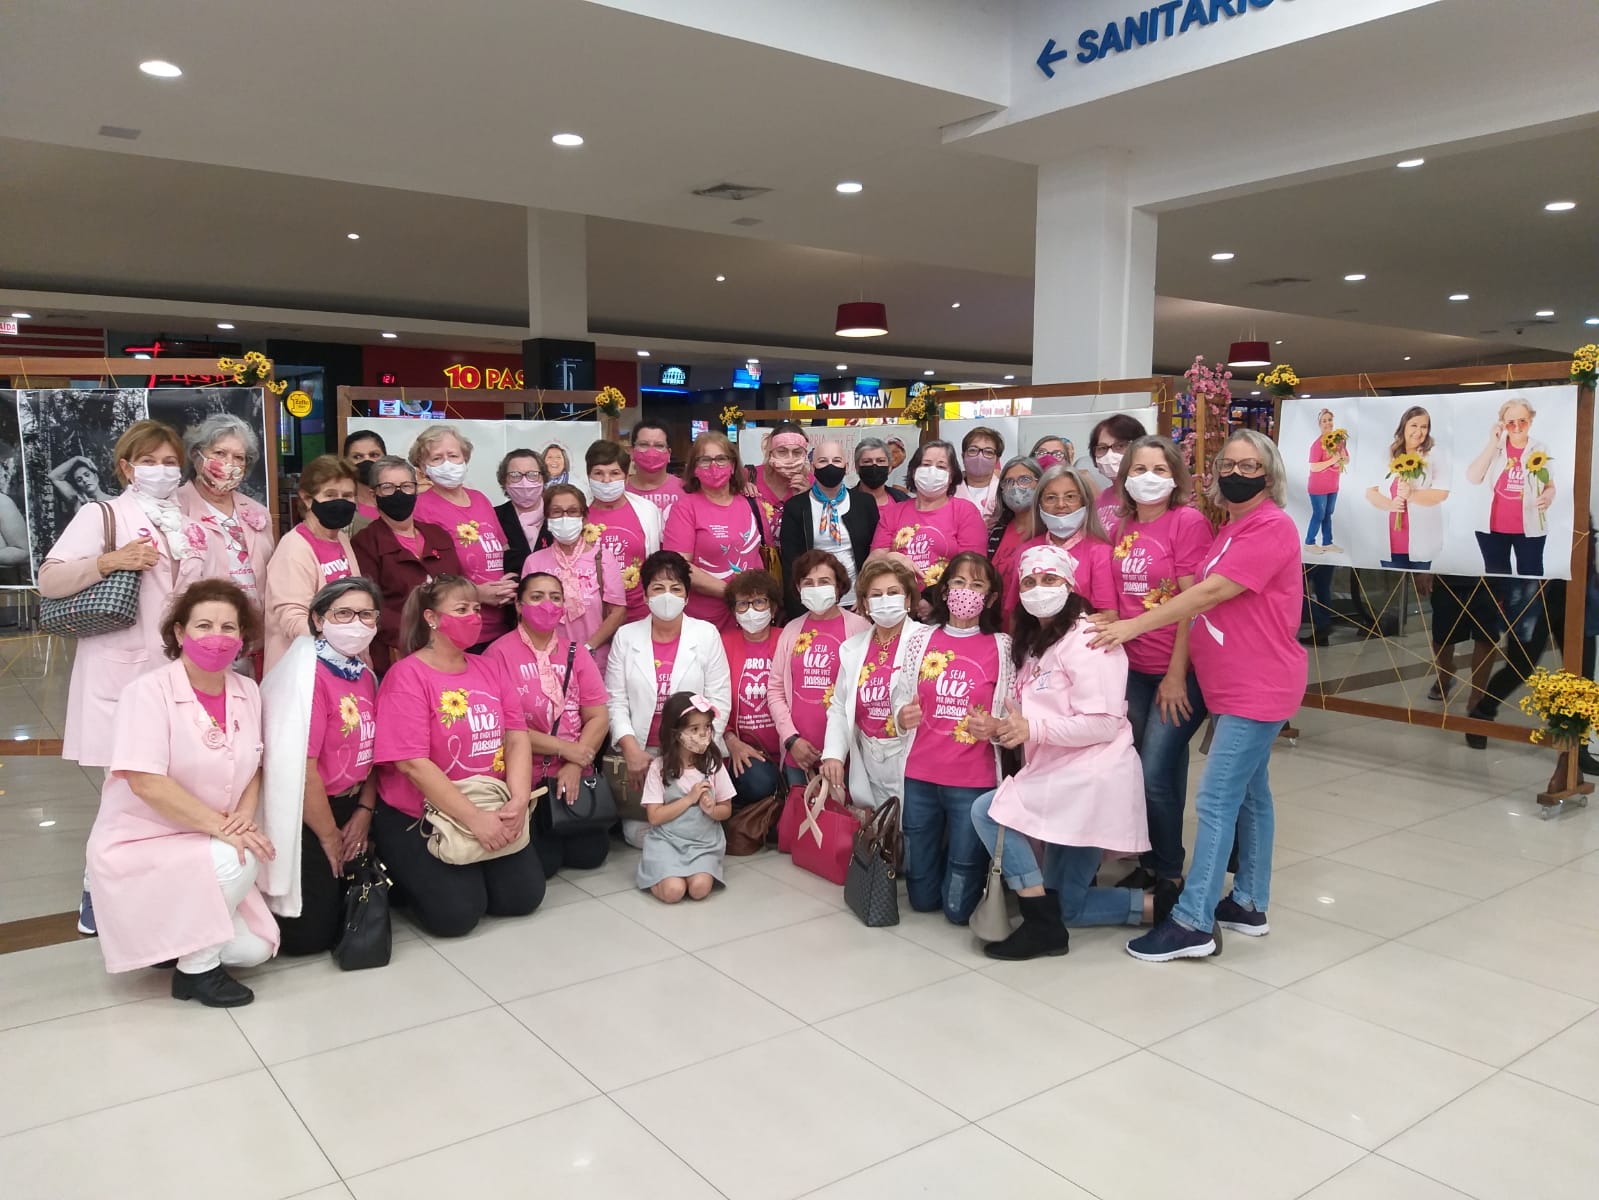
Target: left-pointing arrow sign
[(1049, 56)]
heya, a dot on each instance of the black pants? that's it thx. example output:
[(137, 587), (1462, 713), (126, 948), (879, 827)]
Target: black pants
[(449, 901), (1497, 547), (580, 851), (316, 929), (1533, 621)]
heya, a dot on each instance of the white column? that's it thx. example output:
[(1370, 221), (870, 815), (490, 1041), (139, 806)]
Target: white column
[(557, 275), (1094, 275)]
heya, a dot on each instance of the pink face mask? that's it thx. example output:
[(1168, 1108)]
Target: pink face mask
[(543, 616), (525, 493), (1048, 460), (214, 652), (715, 476), (964, 603), (651, 458), (463, 632)]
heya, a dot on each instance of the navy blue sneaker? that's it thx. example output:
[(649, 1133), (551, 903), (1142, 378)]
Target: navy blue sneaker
[(1232, 915), (86, 916), (1169, 940)]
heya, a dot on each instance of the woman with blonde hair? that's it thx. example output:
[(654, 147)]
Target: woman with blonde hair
[(1520, 494), (714, 526), (1327, 469)]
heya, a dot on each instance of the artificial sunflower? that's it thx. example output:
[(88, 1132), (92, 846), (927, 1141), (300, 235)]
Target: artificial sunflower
[(452, 705), (349, 715), (467, 533)]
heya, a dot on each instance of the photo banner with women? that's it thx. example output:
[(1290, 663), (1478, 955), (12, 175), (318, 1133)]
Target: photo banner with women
[(491, 441), (1474, 483)]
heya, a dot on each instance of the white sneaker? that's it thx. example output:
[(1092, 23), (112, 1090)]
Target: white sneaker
[(1333, 548), (1313, 549)]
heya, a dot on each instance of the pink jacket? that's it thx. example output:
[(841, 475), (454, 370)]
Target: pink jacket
[(781, 683), (293, 577), (254, 520), (104, 666), (1083, 784)]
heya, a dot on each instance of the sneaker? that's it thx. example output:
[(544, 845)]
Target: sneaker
[(1232, 915), (1440, 691), (1333, 548), (1140, 877), (1169, 940), (86, 916)]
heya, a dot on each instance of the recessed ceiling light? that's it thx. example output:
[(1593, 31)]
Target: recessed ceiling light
[(1278, 342), (1254, 393), (849, 188), (1544, 312), (1457, 297), (224, 325), (1410, 164), (160, 68), (841, 367), (1304, 395), (21, 316), (929, 372), (1480, 383), (46, 824), (354, 237), (721, 279), (568, 139), (1589, 321), (390, 335), (643, 353), (1010, 377), (1222, 256), (1560, 206), (957, 304), (1407, 358), (1353, 278)]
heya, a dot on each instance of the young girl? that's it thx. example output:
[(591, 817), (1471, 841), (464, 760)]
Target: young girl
[(687, 795)]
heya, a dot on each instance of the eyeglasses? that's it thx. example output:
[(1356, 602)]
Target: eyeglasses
[(785, 453), (720, 460), (519, 476), (758, 603), (1517, 423), (390, 489), (975, 452), (1239, 466), (1102, 450), (553, 514), (343, 616)]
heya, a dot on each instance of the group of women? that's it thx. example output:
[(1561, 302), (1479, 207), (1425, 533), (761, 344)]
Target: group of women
[(458, 667)]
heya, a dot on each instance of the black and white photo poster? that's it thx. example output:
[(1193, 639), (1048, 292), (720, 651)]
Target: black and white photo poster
[(16, 567)]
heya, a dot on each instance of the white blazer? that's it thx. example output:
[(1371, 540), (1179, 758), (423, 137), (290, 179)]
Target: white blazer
[(700, 666), (650, 520)]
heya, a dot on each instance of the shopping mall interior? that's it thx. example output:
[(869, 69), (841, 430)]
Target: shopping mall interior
[(899, 219)]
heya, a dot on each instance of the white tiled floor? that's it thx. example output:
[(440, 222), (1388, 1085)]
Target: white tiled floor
[(1422, 1024)]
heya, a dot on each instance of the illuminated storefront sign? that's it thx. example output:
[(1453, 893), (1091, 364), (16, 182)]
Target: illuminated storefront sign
[(465, 375)]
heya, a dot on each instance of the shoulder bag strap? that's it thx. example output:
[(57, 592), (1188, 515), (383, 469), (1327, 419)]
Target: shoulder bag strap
[(755, 511), (108, 523), (571, 656)]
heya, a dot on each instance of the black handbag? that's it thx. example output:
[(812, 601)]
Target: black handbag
[(871, 885), (366, 937), (593, 809), (108, 606)]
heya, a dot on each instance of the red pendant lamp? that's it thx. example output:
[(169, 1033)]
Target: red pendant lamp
[(861, 319), (1249, 354)]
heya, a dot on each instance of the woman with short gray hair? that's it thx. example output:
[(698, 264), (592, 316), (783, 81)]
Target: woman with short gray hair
[(872, 468), (220, 451)]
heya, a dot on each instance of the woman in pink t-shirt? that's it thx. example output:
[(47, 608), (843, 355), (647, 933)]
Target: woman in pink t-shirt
[(1522, 491), (1107, 443), (1245, 609), (753, 748), (313, 554), (442, 452), (591, 581), (935, 525), (785, 474), (1066, 516), (964, 672), (1018, 489), (1327, 469), (444, 717), (715, 527)]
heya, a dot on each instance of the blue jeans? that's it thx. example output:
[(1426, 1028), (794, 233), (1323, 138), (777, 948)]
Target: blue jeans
[(1234, 798), (1068, 871), (758, 781), (1163, 748), (944, 861), (1321, 512)]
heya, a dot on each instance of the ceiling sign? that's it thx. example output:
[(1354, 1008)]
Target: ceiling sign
[(8, 327), (1146, 27)]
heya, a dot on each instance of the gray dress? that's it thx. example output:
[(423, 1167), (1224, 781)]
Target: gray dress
[(692, 844)]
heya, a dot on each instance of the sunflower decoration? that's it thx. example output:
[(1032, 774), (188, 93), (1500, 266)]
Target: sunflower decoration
[(904, 536), (1279, 381), (827, 697), (497, 767), (1567, 704), (802, 643), (591, 532), (630, 574), (1410, 467), (731, 417), (610, 401), (467, 533), (1155, 597), (918, 408), (1585, 365), (1334, 441), (1124, 547), (253, 370), (936, 662), (349, 715), (933, 573), (452, 705), (1537, 467)]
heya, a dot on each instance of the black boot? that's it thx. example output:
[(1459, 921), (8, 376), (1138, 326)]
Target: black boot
[(1486, 710), (1167, 893), (1041, 932), (214, 989)]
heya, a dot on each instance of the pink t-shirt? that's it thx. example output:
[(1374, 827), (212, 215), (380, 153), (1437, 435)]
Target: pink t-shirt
[(458, 721), (719, 539), (1507, 515), (1146, 562), (479, 544), (813, 672), (343, 728), (1245, 650), (956, 676), (665, 660), (585, 689), (1399, 524), (663, 497), (1322, 483), (623, 539), (931, 539), (874, 690), (216, 707), (596, 594), (413, 543), (654, 791), (330, 556), (750, 665)]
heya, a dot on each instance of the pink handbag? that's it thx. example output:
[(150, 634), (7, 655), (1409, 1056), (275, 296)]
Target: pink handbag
[(826, 833)]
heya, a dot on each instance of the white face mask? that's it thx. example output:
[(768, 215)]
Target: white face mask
[(349, 640), (448, 474), (1110, 462), (666, 606), (608, 490), (1150, 488), (157, 482), (818, 599), (1065, 524), (753, 620), (887, 611), (565, 530), (1044, 602), (932, 481)]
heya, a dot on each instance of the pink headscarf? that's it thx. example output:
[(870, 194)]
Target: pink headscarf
[(1050, 560)]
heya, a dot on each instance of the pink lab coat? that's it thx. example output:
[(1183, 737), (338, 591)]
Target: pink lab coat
[(104, 666), (254, 520), (1077, 795), (155, 888)]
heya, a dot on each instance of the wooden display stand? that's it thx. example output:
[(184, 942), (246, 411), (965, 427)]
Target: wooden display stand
[(517, 405)]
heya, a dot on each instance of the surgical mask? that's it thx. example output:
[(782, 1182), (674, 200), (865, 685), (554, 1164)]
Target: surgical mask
[(462, 631), (607, 490), (753, 620), (978, 464), (714, 476), (818, 599), (666, 606), (1044, 602), (873, 476), (651, 459), (1237, 489), (214, 652), (932, 481), (397, 507), (1065, 524), (333, 514), (1019, 496), (157, 482), (1110, 462), (525, 493), (830, 475), (543, 616), (1150, 488), (565, 530), (221, 476), (349, 640), (964, 603), (448, 474), (887, 611)]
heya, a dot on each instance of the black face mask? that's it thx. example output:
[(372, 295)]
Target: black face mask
[(1237, 489), (364, 470), (873, 477), (333, 514), (830, 476), (397, 507)]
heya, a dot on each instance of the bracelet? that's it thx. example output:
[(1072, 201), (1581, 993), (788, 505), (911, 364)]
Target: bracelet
[(371, 808)]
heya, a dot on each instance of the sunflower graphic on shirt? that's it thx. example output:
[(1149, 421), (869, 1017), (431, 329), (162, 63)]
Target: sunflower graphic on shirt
[(349, 715), (904, 536), (467, 533), (452, 705), (1155, 597), (1125, 546), (802, 643), (497, 767)]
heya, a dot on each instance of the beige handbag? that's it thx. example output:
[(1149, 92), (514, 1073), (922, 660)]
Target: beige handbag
[(451, 842), (991, 920)]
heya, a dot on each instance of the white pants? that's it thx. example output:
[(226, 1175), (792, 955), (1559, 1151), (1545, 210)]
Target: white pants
[(244, 949)]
